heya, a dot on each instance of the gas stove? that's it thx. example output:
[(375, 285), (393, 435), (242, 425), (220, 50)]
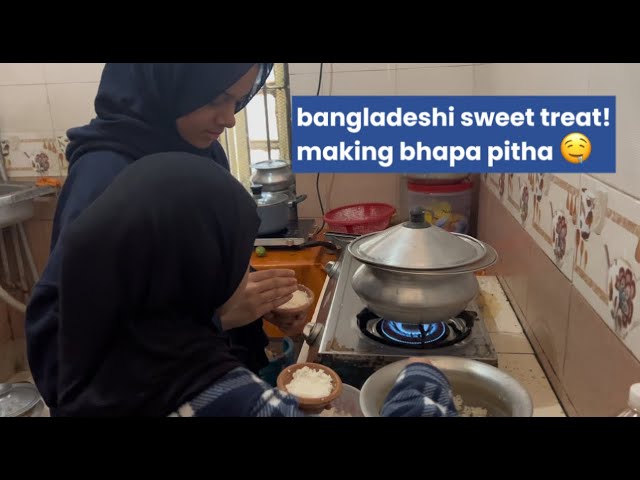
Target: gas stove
[(297, 232), (355, 342)]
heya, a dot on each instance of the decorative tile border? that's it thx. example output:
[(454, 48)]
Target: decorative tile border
[(587, 279), (624, 222), (27, 155), (542, 233)]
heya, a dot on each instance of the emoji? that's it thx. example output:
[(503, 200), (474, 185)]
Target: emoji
[(575, 148)]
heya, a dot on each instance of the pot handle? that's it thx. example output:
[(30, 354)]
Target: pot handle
[(417, 218), (316, 243), (297, 200), (256, 190)]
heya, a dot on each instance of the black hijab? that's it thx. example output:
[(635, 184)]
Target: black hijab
[(138, 104), (144, 269)]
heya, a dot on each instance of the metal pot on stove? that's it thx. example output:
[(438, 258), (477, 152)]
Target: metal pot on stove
[(273, 210), (276, 176), (416, 272)]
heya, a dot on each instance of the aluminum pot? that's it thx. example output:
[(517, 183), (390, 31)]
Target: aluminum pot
[(416, 272), (414, 297), (477, 383), (277, 176), (274, 176), (273, 210)]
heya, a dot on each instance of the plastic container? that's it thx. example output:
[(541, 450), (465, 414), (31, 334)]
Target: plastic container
[(280, 352), (448, 206), (633, 408), (360, 219)]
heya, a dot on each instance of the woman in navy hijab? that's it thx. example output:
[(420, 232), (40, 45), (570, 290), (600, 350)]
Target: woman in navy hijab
[(140, 282), (144, 109)]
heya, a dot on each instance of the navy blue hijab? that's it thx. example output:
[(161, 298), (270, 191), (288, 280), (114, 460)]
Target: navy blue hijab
[(138, 104), (140, 283)]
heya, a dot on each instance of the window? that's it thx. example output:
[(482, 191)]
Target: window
[(262, 130)]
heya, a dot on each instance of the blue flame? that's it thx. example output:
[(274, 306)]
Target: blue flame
[(411, 333)]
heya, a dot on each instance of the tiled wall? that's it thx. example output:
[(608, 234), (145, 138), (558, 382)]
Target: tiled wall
[(370, 79), (38, 103), (578, 256)]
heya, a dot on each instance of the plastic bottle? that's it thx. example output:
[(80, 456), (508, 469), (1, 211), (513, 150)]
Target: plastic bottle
[(633, 410)]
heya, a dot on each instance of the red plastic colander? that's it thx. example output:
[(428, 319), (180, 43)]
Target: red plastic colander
[(360, 218)]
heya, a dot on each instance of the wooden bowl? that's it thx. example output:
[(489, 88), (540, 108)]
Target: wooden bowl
[(295, 311), (311, 405)]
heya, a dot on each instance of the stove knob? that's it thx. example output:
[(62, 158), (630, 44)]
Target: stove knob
[(331, 268), (311, 332)]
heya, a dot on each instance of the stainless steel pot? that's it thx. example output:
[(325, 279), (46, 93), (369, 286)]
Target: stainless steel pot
[(414, 297), (274, 176), (20, 400), (273, 210), (477, 383), (416, 272)]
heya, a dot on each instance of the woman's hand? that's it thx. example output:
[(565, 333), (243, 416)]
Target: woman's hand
[(265, 290), (289, 324)]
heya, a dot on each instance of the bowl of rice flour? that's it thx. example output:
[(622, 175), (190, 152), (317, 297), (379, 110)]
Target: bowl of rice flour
[(300, 302), (314, 385)]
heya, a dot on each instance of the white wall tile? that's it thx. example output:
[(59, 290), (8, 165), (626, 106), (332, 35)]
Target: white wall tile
[(307, 83), (24, 108), (360, 67), (596, 271), (26, 154), (435, 81), (361, 83), (72, 72), (71, 104), (402, 66), (555, 200), (297, 68), (21, 73), (622, 80), (531, 79)]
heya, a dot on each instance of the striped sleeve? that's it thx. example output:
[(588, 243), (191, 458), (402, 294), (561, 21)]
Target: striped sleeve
[(240, 393), (420, 390)]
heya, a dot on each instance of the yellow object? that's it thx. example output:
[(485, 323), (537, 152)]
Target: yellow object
[(438, 213), (48, 182), (261, 251), (575, 147)]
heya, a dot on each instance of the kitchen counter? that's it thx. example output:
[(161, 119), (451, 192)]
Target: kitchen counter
[(515, 355)]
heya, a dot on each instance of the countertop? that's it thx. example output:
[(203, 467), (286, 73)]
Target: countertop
[(515, 355)]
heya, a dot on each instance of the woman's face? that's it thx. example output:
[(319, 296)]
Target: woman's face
[(202, 127)]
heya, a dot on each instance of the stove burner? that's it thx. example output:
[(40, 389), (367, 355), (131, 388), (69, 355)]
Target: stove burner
[(409, 335)]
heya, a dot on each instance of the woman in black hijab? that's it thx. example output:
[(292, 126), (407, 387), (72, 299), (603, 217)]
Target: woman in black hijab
[(143, 109), (140, 283)]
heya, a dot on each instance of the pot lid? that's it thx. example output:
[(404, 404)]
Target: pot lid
[(17, 398), (417, 245), (270, 165), (269, 198)]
